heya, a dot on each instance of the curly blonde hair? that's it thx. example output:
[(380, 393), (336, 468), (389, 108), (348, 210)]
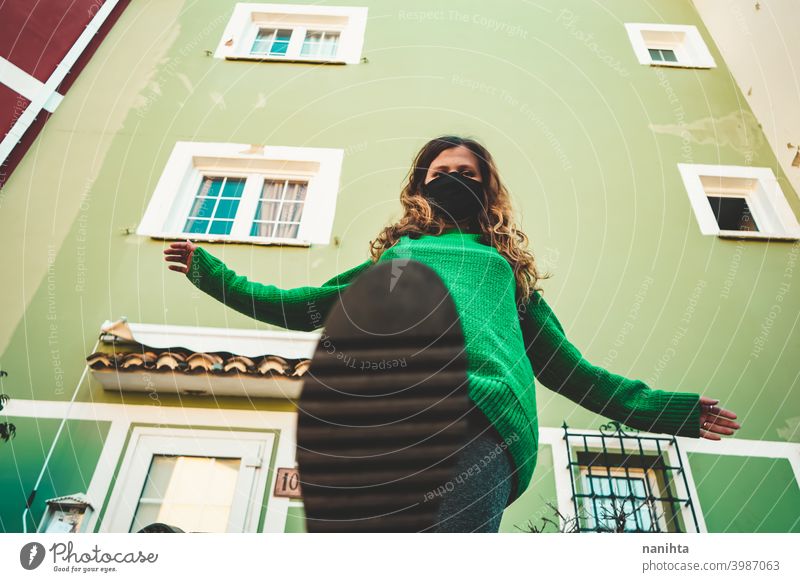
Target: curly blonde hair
[(496, 225)]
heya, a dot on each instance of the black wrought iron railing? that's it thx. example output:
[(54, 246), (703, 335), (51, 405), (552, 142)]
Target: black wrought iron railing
[(623, 481)]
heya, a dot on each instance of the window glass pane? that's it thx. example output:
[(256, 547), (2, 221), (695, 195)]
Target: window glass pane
[(203, 208), (226, 208), (310, 46), (620, 487), (271, 41), (637, 488), (601, 486), (287, 230), (291, 211), (615, 495), (192, 493), (281, 42), (329, 44), (279, 48), (221, 227), (263, 41), (272, 190), (663, 55), (281, 202), (267, 210), (262, 229), (296, 191), (196, 226), (732, 213), (233, 188), (210, 186), (320, 44), (158, 478), (218, 198)]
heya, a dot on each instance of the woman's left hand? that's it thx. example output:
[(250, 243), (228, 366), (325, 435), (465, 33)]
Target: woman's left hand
[(714, 420)]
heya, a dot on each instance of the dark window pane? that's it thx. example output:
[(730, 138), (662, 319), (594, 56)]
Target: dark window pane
[(663, 55), (279, 48), (226, 208), (233, 188), (210, 187), (203, 207), (221, 227), (732, 213)]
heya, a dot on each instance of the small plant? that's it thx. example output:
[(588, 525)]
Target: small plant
[(619, 518), (7, 429), (616, 516), (562, 524)]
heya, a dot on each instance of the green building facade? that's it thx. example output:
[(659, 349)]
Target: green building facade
[(628, 177)]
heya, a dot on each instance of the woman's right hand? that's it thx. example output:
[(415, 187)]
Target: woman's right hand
[(181, 253)]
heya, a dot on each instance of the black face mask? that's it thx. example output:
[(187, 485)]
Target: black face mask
[(455, 197)]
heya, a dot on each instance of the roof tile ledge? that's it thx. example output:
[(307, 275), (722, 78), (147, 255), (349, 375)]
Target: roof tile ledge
[(181, 371)]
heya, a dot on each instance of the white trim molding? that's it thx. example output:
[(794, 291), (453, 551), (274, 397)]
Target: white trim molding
[(757, 186), (253, 449), (684, 40), (242, 342), (190, 163), (26, 85), (348, 23)]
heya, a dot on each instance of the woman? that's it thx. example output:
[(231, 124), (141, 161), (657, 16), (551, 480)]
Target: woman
[(457, 221)]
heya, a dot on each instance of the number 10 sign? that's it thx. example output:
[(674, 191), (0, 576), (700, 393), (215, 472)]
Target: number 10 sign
[(287, 484)]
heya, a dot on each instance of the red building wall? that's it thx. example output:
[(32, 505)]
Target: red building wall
[(36, 36)]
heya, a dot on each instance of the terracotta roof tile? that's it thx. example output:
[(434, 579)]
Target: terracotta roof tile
[(188, 362)]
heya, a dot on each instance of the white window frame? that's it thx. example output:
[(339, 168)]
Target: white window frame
[(254, 448), (684, 39), (177, 187), (242, 28), (767, 203)]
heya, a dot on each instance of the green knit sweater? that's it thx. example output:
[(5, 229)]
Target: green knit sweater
[(506, 348)]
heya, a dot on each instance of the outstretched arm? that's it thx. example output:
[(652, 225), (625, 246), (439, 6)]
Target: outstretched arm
[(301, 308), (561, 367)]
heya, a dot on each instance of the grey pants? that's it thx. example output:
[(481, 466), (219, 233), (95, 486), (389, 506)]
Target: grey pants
[(474, 498)]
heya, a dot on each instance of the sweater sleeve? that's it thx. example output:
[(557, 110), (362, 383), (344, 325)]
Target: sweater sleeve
[(300, 308), (561, 367)]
